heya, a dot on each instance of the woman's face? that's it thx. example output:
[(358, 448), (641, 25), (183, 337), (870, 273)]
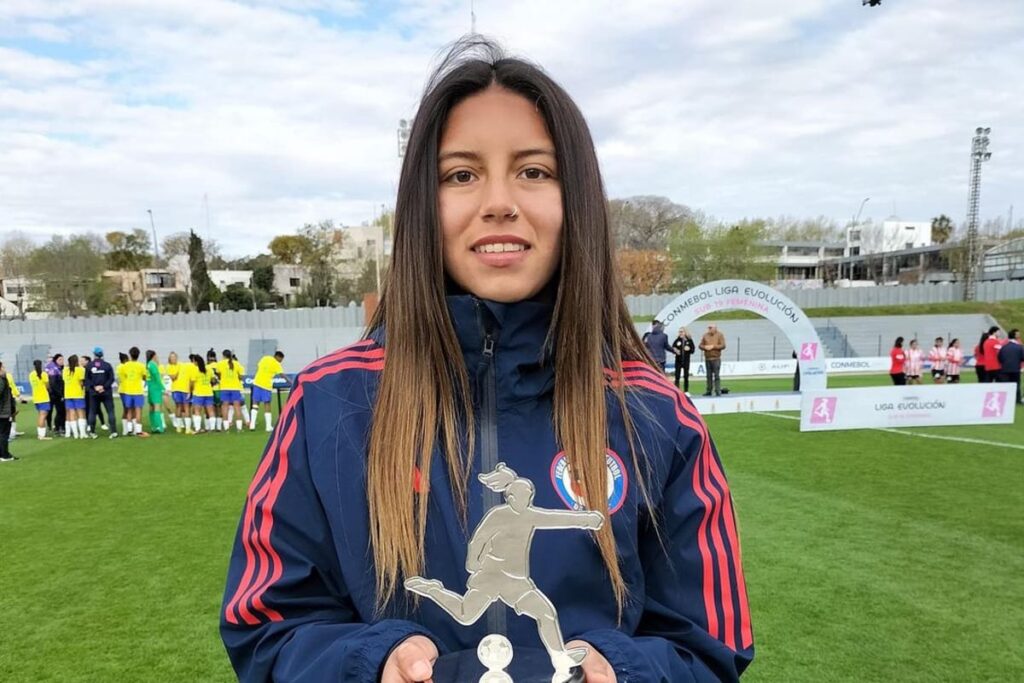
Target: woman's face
[(500, 198)]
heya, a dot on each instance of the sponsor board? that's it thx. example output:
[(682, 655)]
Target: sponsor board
[(908, 406)]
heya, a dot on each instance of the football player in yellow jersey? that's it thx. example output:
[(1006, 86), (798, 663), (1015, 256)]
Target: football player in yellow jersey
[(74, 398), (230, 372), (268, 368), (202, 396), (40, 383), (131, 376), (181, 383)]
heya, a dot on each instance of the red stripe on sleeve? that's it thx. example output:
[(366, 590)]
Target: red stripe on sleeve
[(258, 550), (689, 416)]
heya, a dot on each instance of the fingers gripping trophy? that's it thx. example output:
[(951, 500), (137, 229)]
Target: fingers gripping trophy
[(498, 562)]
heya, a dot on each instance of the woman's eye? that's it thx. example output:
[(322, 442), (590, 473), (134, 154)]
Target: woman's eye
[(460, 177), (535, 174)]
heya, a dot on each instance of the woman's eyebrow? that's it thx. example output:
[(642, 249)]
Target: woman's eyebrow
[(476, 156)]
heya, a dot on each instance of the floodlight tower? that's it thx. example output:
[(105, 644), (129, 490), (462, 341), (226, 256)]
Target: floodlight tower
[(979, 153)]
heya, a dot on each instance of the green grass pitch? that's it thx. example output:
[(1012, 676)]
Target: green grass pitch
[(869, 556)]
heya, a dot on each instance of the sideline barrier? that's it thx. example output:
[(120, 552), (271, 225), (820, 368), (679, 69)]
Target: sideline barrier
[(908, 406)]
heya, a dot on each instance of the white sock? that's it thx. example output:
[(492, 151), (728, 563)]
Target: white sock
[(230, 417), (67, 427), (71, 426), (138, 426), (124, 426), (197, 422), (268, 418), (253, 414), (41, 432), (238, 425), (211, 424), (82, 427)]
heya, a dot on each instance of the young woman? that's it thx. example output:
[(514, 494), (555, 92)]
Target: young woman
[(213, 368), (915, 363), (181, 383), (954, 359), (230, 372), (979, 359), (898, 363), (202, 396), (508, 341), (155, 392), (267, 369), (74, 398), (937, 357), (40, 383), (133, 376)]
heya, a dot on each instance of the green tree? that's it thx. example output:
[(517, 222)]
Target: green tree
[(68, 267), (174, 302), (942, 229), (237, 297), (291, 248), (202, 292), (324, 240), (128, 250)]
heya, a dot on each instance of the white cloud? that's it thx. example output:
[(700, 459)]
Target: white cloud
[(284, 111)]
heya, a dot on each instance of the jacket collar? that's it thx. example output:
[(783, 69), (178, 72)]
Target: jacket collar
[(523, 364)]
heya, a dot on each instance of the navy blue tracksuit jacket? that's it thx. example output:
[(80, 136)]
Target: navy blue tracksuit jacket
[(299, 601)]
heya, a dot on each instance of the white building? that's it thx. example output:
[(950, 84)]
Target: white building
[(892, 235), (222, 279), (289, 281), (361, 243), (25, 293)]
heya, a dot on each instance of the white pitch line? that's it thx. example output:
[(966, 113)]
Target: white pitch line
[(962, 439)]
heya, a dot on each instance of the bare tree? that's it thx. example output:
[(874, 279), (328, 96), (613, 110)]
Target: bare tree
[(645, 222)]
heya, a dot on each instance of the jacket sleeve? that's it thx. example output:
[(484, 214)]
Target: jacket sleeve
[(287, 615), (695, 625)]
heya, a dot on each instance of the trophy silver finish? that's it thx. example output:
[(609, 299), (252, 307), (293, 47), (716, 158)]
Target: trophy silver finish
[(498, 562)]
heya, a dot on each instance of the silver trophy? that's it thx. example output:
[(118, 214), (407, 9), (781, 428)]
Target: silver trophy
[(498, 562)]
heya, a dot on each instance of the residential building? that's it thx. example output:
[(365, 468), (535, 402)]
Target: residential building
[(222, 279), (289, 281)]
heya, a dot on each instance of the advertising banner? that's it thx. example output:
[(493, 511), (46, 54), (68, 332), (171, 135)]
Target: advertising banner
[(907, 406)]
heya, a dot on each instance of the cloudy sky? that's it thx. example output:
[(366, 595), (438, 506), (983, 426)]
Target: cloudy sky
[(283, 112)]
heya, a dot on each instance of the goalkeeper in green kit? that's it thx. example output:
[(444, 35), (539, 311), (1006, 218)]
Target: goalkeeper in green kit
[(155, 392)]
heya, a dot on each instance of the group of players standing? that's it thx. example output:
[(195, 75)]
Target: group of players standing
[(201, 394)]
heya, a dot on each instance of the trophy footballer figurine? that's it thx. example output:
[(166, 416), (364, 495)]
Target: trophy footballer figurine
[(498, 562)]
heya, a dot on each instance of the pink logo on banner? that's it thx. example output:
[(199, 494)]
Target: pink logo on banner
[(995, 403), (823, 411), (808, 351)]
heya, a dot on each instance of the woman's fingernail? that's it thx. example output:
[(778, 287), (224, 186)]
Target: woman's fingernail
[(420, 670)]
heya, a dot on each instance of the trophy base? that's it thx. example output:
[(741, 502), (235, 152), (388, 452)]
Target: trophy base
[(528, 666)]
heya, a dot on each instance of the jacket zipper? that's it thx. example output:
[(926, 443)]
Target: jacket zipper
[(489, 454)]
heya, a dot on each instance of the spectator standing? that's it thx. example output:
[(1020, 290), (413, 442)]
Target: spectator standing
[(8, 411), (712, 344), (657, 344), (684, 348), (1011, 358)]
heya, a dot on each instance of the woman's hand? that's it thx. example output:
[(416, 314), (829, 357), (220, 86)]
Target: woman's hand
[(411, 662), (596, 668)]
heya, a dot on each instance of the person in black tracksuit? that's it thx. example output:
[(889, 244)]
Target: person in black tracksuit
[(56, 418), (99, 382), (684, 348), (8, 411), (1011, 357)]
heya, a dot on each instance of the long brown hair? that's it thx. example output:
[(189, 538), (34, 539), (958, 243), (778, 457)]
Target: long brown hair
[(586, 332)]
